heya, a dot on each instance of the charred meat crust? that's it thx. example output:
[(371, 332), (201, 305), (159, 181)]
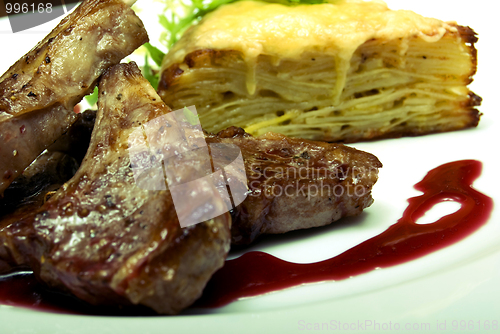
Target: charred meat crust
[(296, 183), (42, 87), (104, 239), (18, 78)]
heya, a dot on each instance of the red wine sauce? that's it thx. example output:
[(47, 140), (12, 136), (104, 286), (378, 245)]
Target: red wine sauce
[(256, 273), (25, 291)]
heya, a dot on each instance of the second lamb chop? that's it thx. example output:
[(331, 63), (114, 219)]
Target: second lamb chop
[(38, 93)]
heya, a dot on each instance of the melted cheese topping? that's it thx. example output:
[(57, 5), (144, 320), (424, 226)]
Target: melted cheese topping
[(255, 28), (339, 28)]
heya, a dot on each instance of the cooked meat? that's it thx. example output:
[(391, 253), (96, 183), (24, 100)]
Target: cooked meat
[(75, 141), (342, 71), (103, 238), (47, 173), (296, 183), (51, 169), (107, 240), (38, 93)]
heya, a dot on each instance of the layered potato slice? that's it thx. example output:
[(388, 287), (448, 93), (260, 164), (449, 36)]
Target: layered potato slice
[(342, 71)]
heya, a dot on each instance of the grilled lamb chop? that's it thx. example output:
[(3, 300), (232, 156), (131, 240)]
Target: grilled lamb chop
[(296, 183), (103, 238), (38, 93), (107, 241)]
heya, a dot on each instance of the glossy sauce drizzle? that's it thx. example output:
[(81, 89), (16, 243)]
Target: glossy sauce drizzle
[(256, 273)]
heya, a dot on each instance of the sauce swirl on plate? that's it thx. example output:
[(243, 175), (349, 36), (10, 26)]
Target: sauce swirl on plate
[(256, 273)]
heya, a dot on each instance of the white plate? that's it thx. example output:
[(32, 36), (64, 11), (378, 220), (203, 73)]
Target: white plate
[(458, 285)]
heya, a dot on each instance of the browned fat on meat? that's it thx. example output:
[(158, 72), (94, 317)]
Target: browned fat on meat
[(38, 93), (297, 184), (104, 239)]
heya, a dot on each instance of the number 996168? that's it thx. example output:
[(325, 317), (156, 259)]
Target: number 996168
[(24, 8), (474, 325)]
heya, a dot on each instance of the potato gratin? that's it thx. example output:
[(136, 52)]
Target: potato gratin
[(342, 71)]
